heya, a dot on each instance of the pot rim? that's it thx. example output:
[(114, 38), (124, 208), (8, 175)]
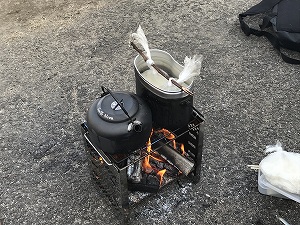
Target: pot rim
[(139, 60)]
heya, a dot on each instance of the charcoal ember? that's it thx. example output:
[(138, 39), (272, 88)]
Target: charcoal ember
[(152, 180), (144, 178), (158, 165), (149, 183)]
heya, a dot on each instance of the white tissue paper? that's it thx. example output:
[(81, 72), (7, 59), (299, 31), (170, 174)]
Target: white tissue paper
[(192, 67), (282, 168), (140, 38)]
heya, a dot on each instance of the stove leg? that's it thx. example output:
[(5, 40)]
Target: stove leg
[(124, 189), (199, 153)]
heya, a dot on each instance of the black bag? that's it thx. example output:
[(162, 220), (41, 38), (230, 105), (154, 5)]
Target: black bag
[(284, 17)]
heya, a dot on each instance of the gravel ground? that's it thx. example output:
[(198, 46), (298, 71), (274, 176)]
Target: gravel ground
[(54, 57)]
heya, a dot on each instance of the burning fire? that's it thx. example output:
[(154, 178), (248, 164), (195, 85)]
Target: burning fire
[(168, 135), (146, 164), (147, 168), (160, 174), (182, 149)]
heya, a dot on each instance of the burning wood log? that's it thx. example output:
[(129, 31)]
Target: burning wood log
[(171, 155)]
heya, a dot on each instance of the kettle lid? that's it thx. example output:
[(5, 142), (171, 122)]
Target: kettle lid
[(109, 109)]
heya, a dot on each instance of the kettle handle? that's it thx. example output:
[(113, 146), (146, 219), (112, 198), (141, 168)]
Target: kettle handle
[(107, 91)]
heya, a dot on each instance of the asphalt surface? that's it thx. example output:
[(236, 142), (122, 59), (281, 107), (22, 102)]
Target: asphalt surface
[(54, 57)]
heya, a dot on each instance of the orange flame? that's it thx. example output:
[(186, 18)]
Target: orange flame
[(160, 174), (146, 165), (167, 133), (174, 144), (157, 159), (146, 162), (182, 149)]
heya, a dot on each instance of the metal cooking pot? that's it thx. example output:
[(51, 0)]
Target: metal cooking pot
[(170, 109), (119, 122)]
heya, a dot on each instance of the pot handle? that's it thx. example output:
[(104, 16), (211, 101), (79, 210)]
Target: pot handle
[(107, 91)]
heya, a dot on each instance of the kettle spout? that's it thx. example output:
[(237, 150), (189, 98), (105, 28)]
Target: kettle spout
[(136, 126)]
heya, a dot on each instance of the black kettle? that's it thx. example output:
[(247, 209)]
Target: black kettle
[(119, 122)]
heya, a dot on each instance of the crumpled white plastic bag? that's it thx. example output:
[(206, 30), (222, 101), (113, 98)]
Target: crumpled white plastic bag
[(282, 168)]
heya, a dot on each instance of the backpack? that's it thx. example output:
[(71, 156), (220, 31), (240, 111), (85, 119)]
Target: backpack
[(283, 16)]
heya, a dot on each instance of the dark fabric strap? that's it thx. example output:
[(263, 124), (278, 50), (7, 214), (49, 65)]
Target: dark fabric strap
[(266, 21), (261, 7), (275, 43)]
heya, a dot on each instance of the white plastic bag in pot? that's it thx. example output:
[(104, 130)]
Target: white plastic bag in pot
[(282, 168)]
